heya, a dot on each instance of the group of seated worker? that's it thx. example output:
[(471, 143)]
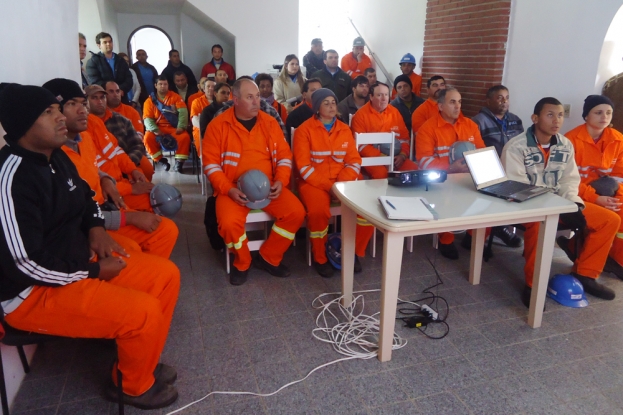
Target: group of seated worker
[(76, 259)]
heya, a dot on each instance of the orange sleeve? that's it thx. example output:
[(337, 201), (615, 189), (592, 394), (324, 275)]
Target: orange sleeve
[(179, 102), (418, 118), (416, 81), (195, 108), (425, 149), (348, 64), (124, 187), (478, 141), (617, 169), (302, 157), (149, 109), (215, 134), (284, 114)]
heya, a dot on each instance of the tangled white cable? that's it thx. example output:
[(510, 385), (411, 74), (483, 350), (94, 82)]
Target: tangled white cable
[(354, 335)]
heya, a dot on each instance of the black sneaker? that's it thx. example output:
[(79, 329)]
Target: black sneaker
[(165, 373), (159, 395), (237, 277), (449, 250), (613, 267), (525, 297), (324, 270), (563, 243), (179, 165), (509, 238), (466, 242), (280, 271), (357, 268), (594, 288), (165, 164)]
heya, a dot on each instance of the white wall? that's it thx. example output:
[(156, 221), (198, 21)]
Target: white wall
[(197, 43), (108, 18), (391, 28), (265, 31), (554, 50)]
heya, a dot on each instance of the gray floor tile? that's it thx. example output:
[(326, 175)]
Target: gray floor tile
[(485, 398), (39, 393), (443, 403), (371, 392), (596, 404)]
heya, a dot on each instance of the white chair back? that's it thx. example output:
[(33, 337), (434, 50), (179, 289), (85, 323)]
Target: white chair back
[(375, 139)]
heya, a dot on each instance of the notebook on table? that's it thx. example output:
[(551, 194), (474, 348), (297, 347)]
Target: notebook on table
[(489, 177), (407, 208)]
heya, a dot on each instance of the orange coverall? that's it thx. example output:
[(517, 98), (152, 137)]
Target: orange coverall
[(183, 139), (353, 68), (323, 158), (594, 160), (135, 118), (195, 110), (112, 159), (433, 146), (159, 242), (281, 110), (192, 98), (416, 82), (369, 120), (422, 113), (229, 150)]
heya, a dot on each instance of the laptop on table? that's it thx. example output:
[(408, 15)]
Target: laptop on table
[(489, 177)]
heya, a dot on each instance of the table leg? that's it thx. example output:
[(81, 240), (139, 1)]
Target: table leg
[(392, 261), (349, 227), (542, 265), (475, 266)]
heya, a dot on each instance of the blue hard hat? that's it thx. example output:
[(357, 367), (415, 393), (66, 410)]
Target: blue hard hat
[(334, 250), (408, 58), (567, 290)]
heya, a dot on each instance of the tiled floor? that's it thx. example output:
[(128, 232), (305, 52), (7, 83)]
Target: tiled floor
[(257, 337)]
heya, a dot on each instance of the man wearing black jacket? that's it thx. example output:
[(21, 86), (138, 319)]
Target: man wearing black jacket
[(60, 272), (146, 75), (332, 77), (107, 66), (175, 65)]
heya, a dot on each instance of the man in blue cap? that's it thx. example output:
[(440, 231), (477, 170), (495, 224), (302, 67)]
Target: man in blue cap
[(407, 65)]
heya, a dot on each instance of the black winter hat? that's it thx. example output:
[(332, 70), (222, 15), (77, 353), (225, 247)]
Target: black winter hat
[(403, 78), (320, 95), (592, 101), (64, 89), (20, 106)]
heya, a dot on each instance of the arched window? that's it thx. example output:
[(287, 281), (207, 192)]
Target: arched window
[(155, 41)]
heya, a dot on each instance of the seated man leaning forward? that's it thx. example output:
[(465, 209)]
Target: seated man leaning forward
[(325, 153), (543, 157), (377, 116), (433, 143), (240, 139), (165, 113), (60, 272)]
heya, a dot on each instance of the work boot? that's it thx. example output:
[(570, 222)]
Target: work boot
[(165, 164), (563, 243), (487, 253), (525, 297), (237, 277), (159, 395), (179, 165), (613, 267), (165, 373), (324, 270), (357, 268), (509, 238), (466, 242), (449, 250), (594, 288), (280, 271)]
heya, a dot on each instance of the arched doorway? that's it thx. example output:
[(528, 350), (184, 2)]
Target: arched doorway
[(609, 77), (155, 41)]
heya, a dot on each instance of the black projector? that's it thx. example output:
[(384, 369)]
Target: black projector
[(416, 177)]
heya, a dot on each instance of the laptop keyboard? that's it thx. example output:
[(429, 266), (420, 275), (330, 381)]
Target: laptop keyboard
[(507, 188)]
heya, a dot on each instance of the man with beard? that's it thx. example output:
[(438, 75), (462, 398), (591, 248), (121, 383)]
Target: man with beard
[(360, 97)]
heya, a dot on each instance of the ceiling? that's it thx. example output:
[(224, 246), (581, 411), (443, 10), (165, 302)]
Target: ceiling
[(148, 6)]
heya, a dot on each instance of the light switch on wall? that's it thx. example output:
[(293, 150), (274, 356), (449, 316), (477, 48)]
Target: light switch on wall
[(567, 108)]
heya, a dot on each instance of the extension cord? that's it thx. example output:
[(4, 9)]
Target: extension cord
[(429, 312)]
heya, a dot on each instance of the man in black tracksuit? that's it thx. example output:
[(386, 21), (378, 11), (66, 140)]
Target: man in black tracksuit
[(108, 66)]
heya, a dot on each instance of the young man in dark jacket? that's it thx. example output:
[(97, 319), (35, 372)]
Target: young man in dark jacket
[(176, 65), (332, 77), (313, 61), (107, 66), (60, 272)]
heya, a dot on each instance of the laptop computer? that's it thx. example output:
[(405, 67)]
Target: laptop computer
[(489, 177)]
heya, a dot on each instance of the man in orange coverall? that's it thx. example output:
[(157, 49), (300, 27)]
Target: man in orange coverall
[(157, 124), (60, 272), (240, 139), (433, 146), (197, 107), (430, 107), (377, 116), (599, 153), (113, 101), (153, 234), (325, 153), (356, 62)]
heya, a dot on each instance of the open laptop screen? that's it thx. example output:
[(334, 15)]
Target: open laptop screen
[(484, 165)]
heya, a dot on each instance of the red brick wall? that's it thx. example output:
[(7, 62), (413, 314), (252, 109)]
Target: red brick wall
[(464, 41)]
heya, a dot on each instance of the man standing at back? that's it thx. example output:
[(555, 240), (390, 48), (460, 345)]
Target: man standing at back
[(107, 66), (407, 65), (146, 75), (313, 60), (176, 65), (377, 116), (82, 44), (244, 138), (332, 77), (430, 107), (217, 63), (356, 62)]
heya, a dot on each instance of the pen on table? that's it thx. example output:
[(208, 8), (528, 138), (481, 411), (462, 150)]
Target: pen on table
[(390, 204)]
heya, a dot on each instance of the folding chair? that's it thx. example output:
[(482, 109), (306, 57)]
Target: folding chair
[(256, 220)]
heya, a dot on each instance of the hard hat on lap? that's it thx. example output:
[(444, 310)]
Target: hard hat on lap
[(256, 187)]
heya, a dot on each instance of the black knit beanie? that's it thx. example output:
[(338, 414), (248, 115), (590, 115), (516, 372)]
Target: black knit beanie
[(592, 101), (320, 95), (64, 89), (20, 106), (403, 78)]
